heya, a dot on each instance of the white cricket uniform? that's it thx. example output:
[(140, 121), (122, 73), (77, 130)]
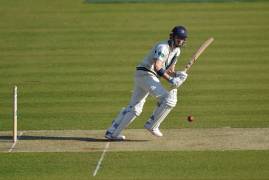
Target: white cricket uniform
[(147, 82), (146, 78), (160, 51)]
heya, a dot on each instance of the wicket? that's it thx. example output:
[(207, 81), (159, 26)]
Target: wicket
[(15, 108)]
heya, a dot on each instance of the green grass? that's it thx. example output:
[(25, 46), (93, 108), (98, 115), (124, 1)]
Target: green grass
[(168, 1), (47, 165), (137, 165), (74, 62), (187, 165)]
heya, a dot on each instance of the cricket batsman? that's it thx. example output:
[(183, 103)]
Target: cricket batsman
[(159, 63)]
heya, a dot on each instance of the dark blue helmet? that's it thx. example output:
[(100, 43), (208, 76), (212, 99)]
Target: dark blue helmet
[(179, 31)]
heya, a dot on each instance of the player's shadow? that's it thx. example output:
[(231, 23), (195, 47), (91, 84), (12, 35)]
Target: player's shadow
[(67, 138)]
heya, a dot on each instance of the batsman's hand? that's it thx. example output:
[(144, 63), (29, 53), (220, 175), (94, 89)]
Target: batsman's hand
[(176, 82), (182, 75)]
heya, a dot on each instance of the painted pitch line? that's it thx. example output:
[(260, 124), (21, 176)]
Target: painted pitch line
[(14, 144), (101, 159)]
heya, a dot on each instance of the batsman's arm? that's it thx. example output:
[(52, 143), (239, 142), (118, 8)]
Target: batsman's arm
[(171, 70), (163, 73)]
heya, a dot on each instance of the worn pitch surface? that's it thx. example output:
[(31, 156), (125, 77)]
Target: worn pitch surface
[(138, 140)]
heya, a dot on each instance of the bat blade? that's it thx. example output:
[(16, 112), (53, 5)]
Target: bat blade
[(195, 56)]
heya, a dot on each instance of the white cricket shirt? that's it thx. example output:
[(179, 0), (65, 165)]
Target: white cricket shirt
[(162, 52)]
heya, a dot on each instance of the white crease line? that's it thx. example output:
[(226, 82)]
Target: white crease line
[(101, 159), (14, 144)]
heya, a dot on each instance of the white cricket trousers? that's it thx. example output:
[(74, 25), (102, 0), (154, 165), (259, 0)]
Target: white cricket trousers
[(145, 84)]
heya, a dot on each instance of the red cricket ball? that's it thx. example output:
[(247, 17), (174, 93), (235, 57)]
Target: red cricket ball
[(190, 118)]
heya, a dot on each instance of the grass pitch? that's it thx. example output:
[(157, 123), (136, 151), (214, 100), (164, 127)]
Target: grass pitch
[(198, 139), (74, 62)]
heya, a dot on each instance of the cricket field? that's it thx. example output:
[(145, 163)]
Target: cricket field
[(73, 62)]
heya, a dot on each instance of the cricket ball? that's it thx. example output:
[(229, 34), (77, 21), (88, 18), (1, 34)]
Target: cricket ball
[(190, 118)]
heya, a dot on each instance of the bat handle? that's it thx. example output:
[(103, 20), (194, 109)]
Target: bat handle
[(187, 67)]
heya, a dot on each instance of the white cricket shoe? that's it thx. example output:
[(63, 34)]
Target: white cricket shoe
[(109, 136), (155, 131)]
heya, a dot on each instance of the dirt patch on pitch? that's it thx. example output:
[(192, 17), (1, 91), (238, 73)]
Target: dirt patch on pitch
[(138, 140)]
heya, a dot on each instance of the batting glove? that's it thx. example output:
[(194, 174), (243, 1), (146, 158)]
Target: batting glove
[(182, 75), (175, 81)]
